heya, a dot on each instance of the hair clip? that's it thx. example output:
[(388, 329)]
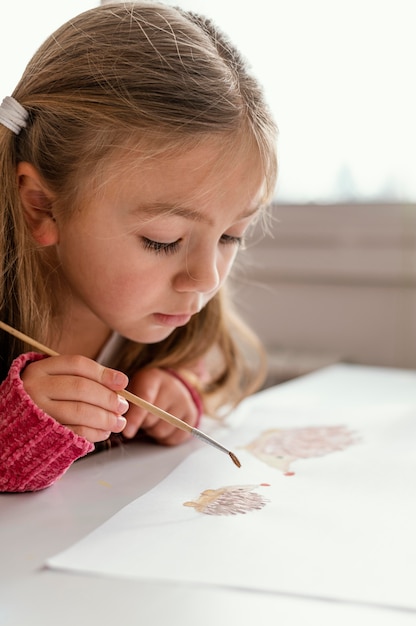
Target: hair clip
[(13, 115)]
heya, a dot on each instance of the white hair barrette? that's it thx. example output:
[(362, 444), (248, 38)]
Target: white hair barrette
[(13, 115)]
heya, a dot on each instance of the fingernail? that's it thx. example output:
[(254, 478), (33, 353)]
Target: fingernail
[(123, 405), (121, 422), (119, 378)]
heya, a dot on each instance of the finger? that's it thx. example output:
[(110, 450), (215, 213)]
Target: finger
[(92, 435), (166, 434), (80, 414), (87, 391), (158, 429), (136, 417), (78, 365), (162, 430)]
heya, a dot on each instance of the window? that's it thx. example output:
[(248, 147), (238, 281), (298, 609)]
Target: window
[(24, 25), (339, 76)]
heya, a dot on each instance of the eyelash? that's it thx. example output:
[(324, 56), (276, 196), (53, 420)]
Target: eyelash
[(170, 248), (158, 247), (230, 239)]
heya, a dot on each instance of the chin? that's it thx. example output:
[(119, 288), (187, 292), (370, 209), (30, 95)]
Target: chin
[(153, 336)]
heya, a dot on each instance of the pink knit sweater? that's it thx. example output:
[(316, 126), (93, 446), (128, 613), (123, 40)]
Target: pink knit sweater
[(35, 450)]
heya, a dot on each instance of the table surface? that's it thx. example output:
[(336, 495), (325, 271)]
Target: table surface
[(35, 526)]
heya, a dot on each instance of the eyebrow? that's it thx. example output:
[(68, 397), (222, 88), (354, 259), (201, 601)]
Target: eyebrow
[(156, 209)]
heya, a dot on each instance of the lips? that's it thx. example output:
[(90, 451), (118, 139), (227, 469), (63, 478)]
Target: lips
[(172, 320)]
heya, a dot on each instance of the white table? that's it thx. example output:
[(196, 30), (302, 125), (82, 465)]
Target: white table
[(35, 526)]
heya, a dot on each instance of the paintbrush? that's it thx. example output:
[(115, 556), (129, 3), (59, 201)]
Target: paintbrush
[(130, 397)]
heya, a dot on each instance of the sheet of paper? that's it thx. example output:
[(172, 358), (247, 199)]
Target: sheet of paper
[(324, 506)]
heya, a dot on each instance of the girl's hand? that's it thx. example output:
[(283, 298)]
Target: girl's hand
[(162, 389), (78, 393)]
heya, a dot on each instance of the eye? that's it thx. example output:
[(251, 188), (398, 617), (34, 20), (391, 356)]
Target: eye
[(159, 247), (230, 239)]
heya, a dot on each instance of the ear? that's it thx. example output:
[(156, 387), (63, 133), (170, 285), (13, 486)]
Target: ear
[(37, 202)]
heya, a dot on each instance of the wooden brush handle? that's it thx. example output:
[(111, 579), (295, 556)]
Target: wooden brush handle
[(130, 397)]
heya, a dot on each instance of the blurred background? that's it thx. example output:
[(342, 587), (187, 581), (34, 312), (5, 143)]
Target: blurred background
[(335, 279)]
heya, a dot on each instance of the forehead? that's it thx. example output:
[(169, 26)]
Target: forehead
[(189, 176)]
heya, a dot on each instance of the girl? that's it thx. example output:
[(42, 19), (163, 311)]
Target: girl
[(135, 153)]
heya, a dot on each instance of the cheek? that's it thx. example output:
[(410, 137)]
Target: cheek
[(132, 280), (224, 266), (227, 261), (93, 268)]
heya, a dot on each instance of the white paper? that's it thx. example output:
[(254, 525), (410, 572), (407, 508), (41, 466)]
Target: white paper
[(338, 526)]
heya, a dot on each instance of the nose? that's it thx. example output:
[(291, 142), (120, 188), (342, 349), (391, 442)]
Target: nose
[(199, 275)]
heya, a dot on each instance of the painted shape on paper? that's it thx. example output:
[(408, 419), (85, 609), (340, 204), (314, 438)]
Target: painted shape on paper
[(230, 500), (281, 447)]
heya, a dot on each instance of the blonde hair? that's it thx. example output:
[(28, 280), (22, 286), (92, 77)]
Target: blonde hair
[(161, 77)]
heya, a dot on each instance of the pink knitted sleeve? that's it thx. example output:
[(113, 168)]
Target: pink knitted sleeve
[(35, 450)]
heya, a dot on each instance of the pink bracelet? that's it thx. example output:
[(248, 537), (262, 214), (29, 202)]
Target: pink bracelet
[(192, 391)]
